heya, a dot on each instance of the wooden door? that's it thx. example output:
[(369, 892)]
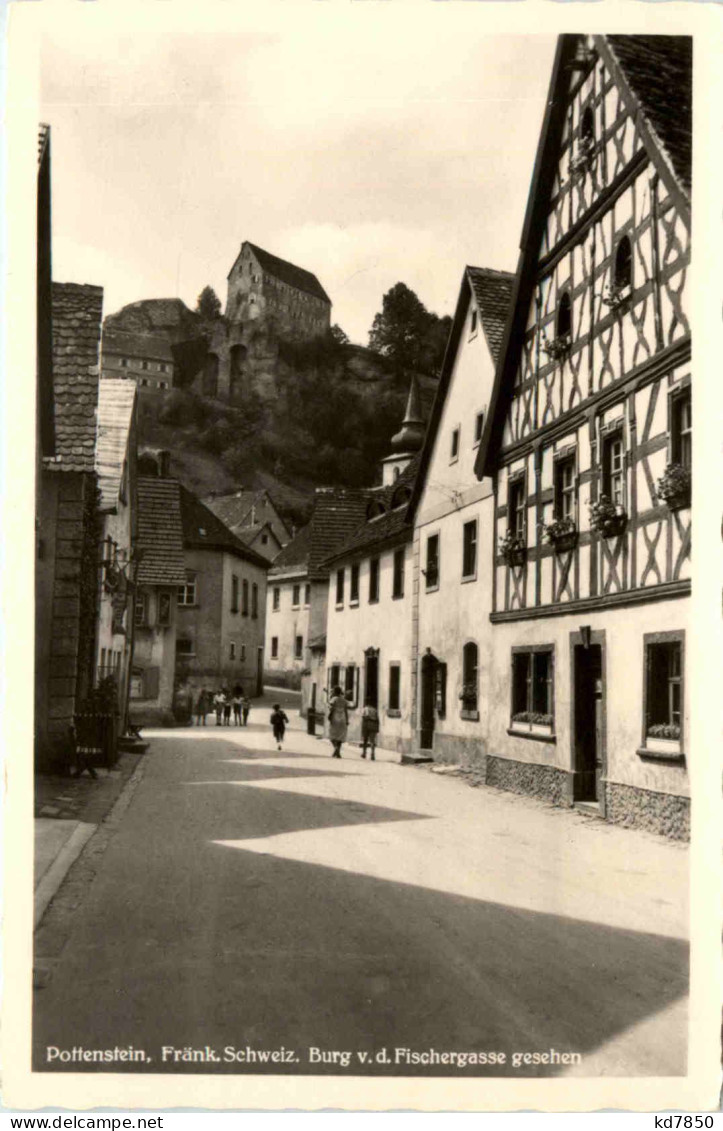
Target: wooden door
[(589, 706), (427, 696)]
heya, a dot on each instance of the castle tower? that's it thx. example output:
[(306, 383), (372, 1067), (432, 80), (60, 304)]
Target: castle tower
[(408, 440)]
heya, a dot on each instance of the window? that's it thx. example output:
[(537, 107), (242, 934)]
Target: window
[(232, 650), (334, 671), (164, 608), (587, 128), (184, 647), (299, 648), (255, 601), (469, 679), (682, 430), (187, 592), (532, 687), (398, 579), (244, 598), (565, 488), (307, 595), (623, 271), (234, 594), (264, 539), (395, 680), (563, 326), (144, 365), (295, 596), (124, 363), (350, 683), (454, 447), (164, 367), (516, 508), (373, 580), (613, 468), (664, 685), (141, 609), (469, 549), (479, 422), (440, 689), (431, 573), (340, 587), (143, 381), (473, 322), (243, 652), (354, 584), (274, 647), (276, 599)]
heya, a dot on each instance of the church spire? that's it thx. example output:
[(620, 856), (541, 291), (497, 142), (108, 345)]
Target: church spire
[(411, 435)]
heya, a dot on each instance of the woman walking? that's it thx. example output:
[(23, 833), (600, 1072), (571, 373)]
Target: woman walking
[(338, 720)]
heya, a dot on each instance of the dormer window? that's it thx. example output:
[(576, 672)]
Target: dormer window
[(563, 323), (587, 129)]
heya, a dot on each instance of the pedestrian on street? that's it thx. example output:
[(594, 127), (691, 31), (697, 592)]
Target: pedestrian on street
[(226, 707), (369, 730), (338, 720), (246, 707), (236, 704), (278, 722), (201, 707), (219, 703)]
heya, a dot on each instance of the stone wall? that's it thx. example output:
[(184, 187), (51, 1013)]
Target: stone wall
[(545, 782), (662, 813)]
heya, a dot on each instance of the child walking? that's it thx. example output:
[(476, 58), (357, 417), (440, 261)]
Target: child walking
[(245, 708), (278, 722)]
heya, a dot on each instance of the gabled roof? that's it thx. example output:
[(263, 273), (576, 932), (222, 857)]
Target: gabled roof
[(137, 345), (77, 314), (493, 292), (116, 401), (338, 511), (295, 553), (202, 530), (286, 272), (390, 524), (235, 510), (654, 74), (160, 532)]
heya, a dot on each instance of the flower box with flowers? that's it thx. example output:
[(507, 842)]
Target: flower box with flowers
[(583, 159), (616, 297), (674, 486), (607, 517), (513, 549), (533, 722), (558, 348), (561, 533), (663, 738)]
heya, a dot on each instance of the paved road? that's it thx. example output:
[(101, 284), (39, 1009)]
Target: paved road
[(267, 900)]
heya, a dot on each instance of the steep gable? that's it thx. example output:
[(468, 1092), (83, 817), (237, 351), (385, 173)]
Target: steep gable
[(160, 532), (116, 404), (77, 313)]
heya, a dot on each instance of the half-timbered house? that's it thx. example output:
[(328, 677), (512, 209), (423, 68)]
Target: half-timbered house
[(588, 442)]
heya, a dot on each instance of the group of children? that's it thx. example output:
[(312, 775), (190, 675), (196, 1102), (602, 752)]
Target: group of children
[(222, 703)]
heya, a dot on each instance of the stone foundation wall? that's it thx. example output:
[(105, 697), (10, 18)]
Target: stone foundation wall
[(546, 782), (455, 749), (662, 813)]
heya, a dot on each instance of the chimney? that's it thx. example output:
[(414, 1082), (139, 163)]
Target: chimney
[(164, 463)]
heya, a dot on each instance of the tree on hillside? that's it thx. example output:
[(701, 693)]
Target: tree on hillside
[(208, 304), (407, 333)]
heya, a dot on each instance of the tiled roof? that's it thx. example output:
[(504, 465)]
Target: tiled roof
[(659, 72), (235, 509), (160, 532), (392, 525), (203, 530), (136, 345), (493, 292), (338, 511), (115, 413), (77, 313), (295, 553), (288, 273)]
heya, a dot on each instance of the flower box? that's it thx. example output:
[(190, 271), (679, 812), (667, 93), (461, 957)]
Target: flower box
[(669, 746), (617, 298), (674, 486), (561, 534), (608, 518), (532, 722), (513, 550), (558, 348), (583, 159)]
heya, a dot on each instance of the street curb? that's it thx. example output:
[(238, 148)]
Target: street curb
[(59, 869), (77, 842)]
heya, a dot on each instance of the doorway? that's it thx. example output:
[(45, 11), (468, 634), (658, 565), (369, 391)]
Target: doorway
[(589, 720), (371, 677), (427, 701)]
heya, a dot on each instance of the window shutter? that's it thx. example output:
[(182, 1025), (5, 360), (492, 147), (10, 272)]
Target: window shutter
[(550, 683), (151, 680), (356, 687)]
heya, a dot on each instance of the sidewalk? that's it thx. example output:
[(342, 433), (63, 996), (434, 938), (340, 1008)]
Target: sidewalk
[(67, 813)]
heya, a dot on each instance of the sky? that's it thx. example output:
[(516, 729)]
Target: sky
[(362, 156)]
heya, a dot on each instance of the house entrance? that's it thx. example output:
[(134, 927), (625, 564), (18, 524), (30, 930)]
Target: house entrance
[(371, 677), (427, 701), (589, 721)]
